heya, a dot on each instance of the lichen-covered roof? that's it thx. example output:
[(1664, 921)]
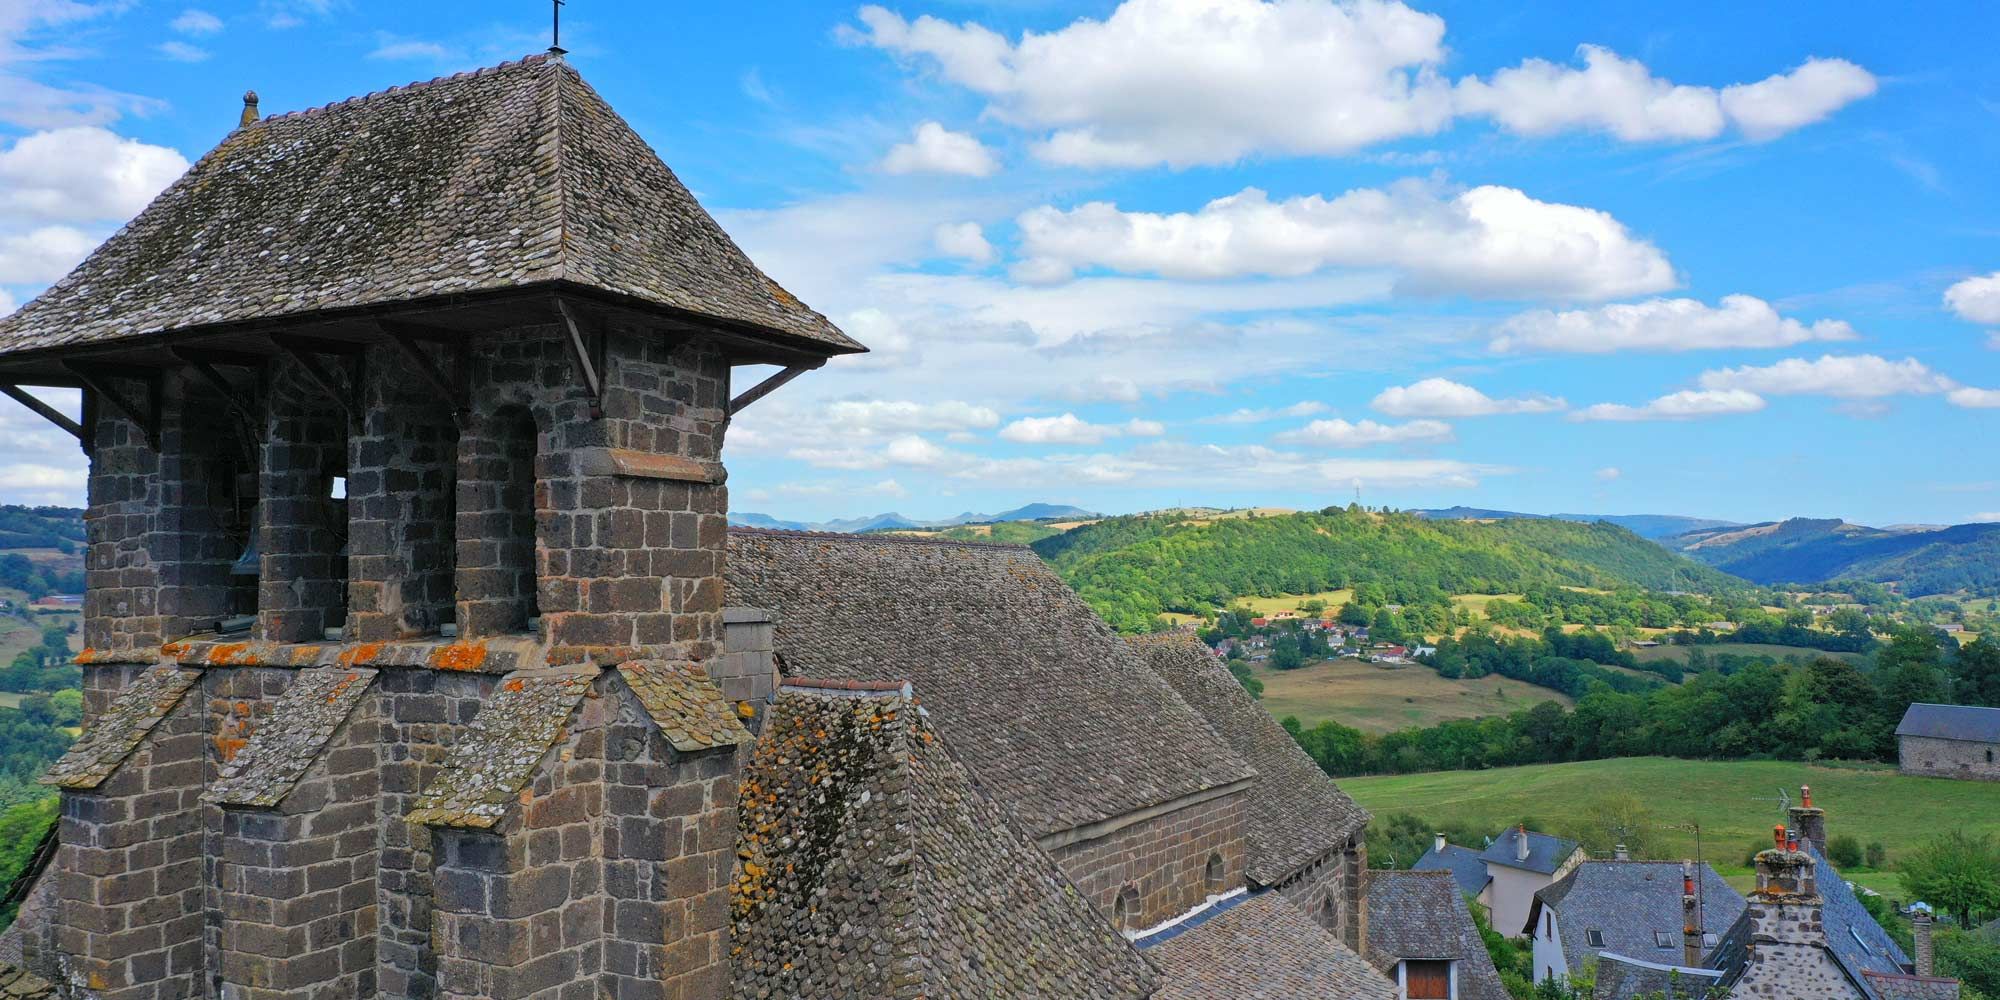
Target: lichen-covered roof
[(1297, 814), (20, 984), (1421, 915), (1261, 949), (685, 704), (288, 741), (110, 739), (511, 176), (498, 754), (873, 867), (1628, 903), (1053, 712)]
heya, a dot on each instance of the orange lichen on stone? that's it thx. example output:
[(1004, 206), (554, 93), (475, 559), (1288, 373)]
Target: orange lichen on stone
[(363, 653), (225, 654), (459, 656)]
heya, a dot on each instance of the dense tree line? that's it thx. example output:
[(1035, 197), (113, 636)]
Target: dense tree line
[(1573, 663), (1756, 708), (1131, 569), (58, 528), (36, 579)]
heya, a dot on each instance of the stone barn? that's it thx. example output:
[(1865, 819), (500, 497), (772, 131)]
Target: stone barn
[(421, 662), (1950, 741)]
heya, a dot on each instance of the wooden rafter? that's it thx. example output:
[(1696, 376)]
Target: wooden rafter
[(44, 410), (766, 387), (585, 352), (96, 382), (306, 352), (453, 386)]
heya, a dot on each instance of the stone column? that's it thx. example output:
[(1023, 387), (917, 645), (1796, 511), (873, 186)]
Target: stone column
[(302, 528), (401, 494), (1920, 927)]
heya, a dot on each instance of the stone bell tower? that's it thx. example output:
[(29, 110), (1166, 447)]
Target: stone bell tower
[(406, 535)]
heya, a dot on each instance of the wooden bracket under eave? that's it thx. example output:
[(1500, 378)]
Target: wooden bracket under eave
[(96, 381), (306, 351), (455, 385), (46, 412), (768, 386), (586, 350)]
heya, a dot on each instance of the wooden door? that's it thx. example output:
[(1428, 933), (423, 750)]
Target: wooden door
[(1427, 980)]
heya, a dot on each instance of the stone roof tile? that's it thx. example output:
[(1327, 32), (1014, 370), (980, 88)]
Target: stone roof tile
[(112, 737), (1058, 718), (514, 176), (685, 704), (1298, 814), (20, 984), (1421, 915), (497, 756), (285, 745), (1628, 903), (873, 867), (1263, 948)]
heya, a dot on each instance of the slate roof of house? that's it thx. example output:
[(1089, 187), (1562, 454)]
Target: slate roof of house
[(1061, 722), (511, 176), (685, 704), (1546, 853), (1263, 948), (1422, 915), (1951, 722), (287, 743), (1628, 902), (1465, 865), (112, 737), (873, 866), (486, 769), (1858, 944), (1297, 814), (1623, 978)]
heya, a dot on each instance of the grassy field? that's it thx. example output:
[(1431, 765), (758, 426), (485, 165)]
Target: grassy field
[(1656, 653), (1333, 599), (1733, 801), (1378, 700)]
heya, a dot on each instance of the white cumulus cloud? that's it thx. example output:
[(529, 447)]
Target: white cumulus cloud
[(42, 255), (1197, 82), (1609, 474), (180, 51), (1338, 433), (1857, 376), (963, 240), (196, 22), (1974, 399), (1066, 429), (1738, 321), (934, 149), (1976, 300), (888, 416), (1442, 397), (83, 173), (1688, 404), (1486, 241), (1261, 414)]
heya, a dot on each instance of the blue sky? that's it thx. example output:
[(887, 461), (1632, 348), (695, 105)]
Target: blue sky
[(1724, 260)]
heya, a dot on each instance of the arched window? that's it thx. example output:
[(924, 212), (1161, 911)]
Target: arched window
[(1213, 875), (496, 525), (1125, 912)]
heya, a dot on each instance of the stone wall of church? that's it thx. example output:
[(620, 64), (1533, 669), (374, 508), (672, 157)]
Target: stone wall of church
[(1930, 757), (1160, 864), (1331, 891)]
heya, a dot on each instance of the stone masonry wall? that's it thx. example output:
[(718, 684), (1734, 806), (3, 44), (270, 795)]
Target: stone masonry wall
[(400, 495), (129, 874), (1330, 891), (747, 672), (297, 883), (302, 577), (1924, 755), (1164, 858)]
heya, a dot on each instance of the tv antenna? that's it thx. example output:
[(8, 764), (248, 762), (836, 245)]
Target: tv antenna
[(1784, 801)]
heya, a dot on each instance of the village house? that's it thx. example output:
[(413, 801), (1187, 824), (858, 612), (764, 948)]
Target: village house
[(432, 386), (1520, 863), (1628, 910), (1421, 935), (1950, 741), (1467, 867)]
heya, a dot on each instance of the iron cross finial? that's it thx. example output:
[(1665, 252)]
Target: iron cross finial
[(555, 31)]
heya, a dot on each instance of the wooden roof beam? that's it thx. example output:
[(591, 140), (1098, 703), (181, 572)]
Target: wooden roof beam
[(43, 410)]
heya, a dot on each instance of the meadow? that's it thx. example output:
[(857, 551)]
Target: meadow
[(1376, 699)]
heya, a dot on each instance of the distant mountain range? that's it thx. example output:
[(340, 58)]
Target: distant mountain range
[(1654, 526), (896, 522), (1921, 559)]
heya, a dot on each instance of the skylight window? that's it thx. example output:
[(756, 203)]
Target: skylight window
[(1663, 939), (1594, 938)]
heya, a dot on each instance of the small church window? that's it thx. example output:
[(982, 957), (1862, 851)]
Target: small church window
[(1213, 875), (1125, 913)]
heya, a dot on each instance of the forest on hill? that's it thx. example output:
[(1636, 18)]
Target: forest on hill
[(1132, 569), (1921, 561)]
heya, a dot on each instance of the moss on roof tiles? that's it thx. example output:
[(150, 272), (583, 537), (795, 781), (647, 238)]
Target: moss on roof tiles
[(1262, 948), (489, 765), (110, 739), (685, 704), (288, 742), (512, 176), (1054, 713)]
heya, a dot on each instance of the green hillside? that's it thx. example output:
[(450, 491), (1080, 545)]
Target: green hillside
[(1923, 562), (1132, 569)]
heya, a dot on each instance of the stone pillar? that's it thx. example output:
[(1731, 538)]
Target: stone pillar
[(747, 672), (302, 527), (297, 888), (129, 873), (496, 558), (401, 495), (1920, 928)]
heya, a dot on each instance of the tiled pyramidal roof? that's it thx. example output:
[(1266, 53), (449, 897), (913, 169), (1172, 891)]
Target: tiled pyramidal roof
[(285, 746), (1262, 949), (1055, 714), (1297, 813), (1422, 915), (499, 754), (510, 176), (108, 741), (873, 867)]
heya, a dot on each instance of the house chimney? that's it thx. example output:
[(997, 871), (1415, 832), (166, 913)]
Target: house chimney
[(1784, 910), (1809, 821), (1920, 927), (1440, 843), (249, 116), (1691, 943), (1621, 853), (1521, 844)]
